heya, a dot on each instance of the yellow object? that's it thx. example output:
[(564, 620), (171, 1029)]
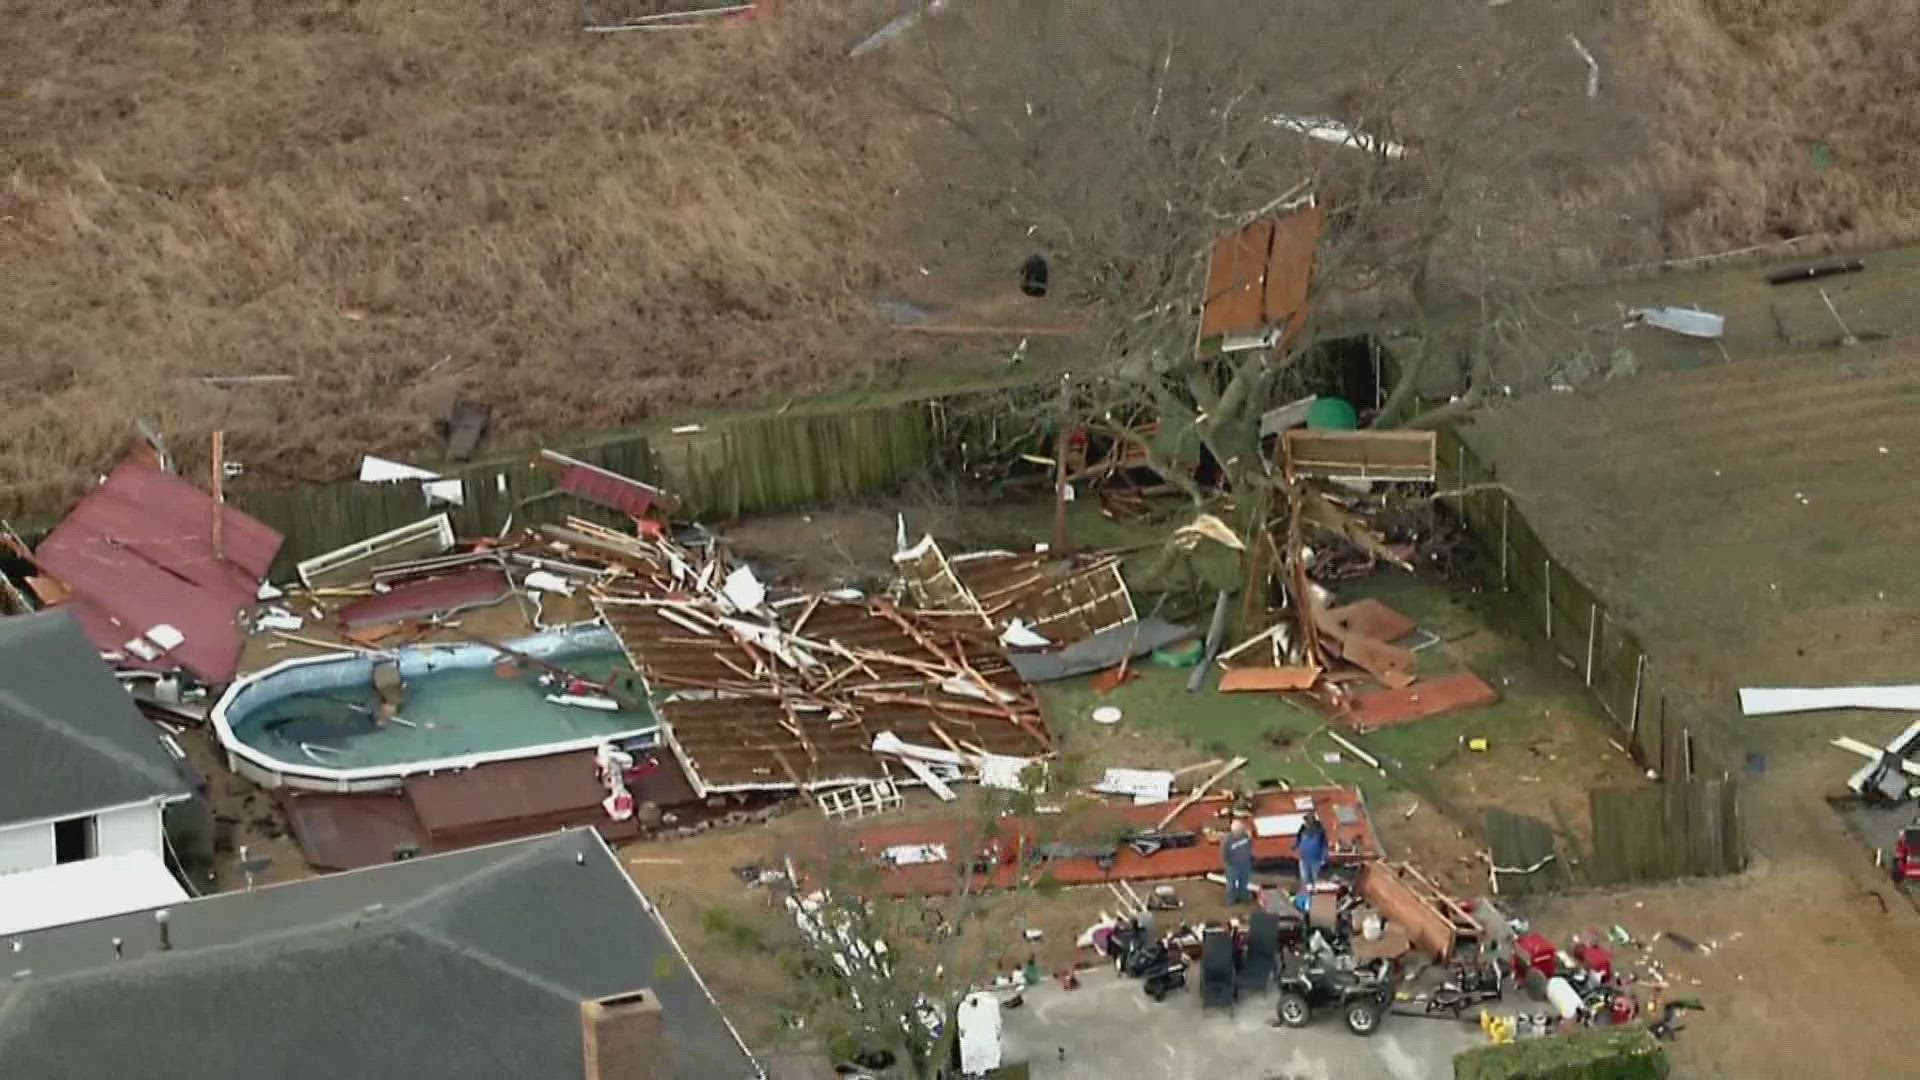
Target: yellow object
[(1478, 746), (1499, 1029)]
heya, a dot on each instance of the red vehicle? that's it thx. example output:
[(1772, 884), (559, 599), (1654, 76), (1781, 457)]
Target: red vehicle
[(1906, 854)]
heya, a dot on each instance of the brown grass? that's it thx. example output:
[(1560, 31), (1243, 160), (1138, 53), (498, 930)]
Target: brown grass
[(1751, 89), (395, 202)]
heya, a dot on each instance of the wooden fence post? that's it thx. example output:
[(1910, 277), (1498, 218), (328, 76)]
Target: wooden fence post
[(1639, 676), (1547, 576), (1506, 505), (1593, 628)]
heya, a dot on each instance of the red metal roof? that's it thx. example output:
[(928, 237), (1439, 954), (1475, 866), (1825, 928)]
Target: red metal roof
[(475, 587), (607, 489), (138, 551)]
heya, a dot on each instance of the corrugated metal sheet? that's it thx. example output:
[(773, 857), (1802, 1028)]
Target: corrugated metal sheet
[(477, 587), (138, 551), (603, 488)]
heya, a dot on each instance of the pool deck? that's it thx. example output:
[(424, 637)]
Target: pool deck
[(451, 810)]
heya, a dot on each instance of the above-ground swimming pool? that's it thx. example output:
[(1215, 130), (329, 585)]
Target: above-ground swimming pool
[(316, 722)]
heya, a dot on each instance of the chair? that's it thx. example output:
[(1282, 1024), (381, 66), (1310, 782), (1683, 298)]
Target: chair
[(1263, 952), (1217, 983)]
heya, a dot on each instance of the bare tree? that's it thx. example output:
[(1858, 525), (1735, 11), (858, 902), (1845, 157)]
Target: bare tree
[(881, 977), (1124, 137)]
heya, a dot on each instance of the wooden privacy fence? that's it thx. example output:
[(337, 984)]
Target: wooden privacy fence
[(718, 471), (1700, 837), (1608, 657), (1676, 829)]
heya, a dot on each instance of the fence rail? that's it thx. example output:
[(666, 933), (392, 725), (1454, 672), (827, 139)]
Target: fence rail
[(1669, 830), (719, 471)]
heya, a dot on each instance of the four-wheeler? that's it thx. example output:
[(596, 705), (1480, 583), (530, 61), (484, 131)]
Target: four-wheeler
[(1361, 992)]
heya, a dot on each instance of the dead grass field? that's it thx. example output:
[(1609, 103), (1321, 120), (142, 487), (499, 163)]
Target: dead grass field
[(397, 203), (1751, 520)]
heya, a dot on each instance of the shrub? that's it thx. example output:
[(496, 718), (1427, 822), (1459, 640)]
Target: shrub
[(1612, 1054)]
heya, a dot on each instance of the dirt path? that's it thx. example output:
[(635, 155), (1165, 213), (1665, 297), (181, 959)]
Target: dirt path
[(1750, 519)]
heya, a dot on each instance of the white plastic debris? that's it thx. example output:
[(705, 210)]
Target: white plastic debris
[(268, 591), (585, 701), (548, 581), (743, 590), (166, 636), (379, 470), (1019, 635), (278, 619), (445, 492), (1328, 130), (915, 854), (1146, 786), (1690, 322), (1106, 714)]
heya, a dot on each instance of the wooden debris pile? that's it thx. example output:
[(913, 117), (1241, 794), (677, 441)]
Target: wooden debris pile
[(759, 693)]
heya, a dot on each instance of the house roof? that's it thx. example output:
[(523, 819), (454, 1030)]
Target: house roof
[(71, 740), (138, 551), (455, 966)]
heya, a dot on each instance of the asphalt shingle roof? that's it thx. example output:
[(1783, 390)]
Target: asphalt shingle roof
[(71, 740), (471, 964)]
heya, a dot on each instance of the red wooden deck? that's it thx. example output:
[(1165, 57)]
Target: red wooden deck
[(1352, 840)]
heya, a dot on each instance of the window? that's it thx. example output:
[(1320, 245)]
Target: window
[(75, 839)]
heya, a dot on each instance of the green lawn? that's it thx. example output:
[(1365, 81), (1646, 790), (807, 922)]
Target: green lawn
[(1165, 726)]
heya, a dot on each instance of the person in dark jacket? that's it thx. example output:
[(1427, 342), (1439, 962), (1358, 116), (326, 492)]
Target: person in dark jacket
[(1310, 847), (1236, 856)]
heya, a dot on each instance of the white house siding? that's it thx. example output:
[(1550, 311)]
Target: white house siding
[(25, 847), (129, 829), (118, 830)]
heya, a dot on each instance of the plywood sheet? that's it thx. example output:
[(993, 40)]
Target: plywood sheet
[(1428, 697), (1269, 678)]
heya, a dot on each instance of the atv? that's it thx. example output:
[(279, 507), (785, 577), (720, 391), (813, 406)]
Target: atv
[(1361, 992)]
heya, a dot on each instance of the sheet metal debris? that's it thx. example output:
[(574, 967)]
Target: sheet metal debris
[(1690, 322), (138, 553)]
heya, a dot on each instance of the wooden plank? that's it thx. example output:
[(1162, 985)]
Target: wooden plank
[(1197, 793), (1236, 680)]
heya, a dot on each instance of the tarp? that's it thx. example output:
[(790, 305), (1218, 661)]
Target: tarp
[(1102, 650), (138, 552)]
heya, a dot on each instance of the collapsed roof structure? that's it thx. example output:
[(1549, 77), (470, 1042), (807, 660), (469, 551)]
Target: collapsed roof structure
[(791, 694)]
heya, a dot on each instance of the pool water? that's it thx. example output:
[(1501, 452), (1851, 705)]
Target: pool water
[(449, 712)]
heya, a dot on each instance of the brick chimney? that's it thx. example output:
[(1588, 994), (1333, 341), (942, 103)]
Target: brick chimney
[(625, 1038)]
